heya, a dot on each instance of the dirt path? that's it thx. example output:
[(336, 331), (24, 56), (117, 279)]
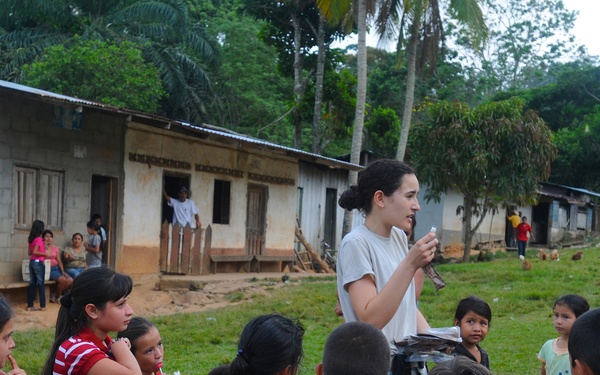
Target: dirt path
[(167, 295)]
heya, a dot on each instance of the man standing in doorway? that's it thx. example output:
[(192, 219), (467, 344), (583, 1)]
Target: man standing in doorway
[(515, 220), (184, 209)]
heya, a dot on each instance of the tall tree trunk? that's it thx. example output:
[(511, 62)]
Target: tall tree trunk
[(298, 86), (322, 51), (409, 97), (361, 98), (467, 216)]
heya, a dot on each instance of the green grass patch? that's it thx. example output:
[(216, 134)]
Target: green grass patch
[(521, 302)]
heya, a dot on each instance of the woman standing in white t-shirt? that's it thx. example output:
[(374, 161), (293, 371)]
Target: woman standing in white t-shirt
[(375, 267)]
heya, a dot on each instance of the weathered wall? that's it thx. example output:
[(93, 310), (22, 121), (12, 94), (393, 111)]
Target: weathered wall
[(315, 181), (449, 225), (143, 193), (28, 138)]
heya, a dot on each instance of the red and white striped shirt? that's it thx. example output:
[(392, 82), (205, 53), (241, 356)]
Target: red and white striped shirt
[(79, 353)]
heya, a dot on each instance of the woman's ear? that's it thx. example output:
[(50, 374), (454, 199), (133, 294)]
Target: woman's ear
[(378, 198), (319, 369), (91, 311)]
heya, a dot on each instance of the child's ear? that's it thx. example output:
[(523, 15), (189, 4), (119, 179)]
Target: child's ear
[(91, 311), (456, 322), (319, 369), (581, 368)]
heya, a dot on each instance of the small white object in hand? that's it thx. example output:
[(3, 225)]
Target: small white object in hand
[(177, 373)]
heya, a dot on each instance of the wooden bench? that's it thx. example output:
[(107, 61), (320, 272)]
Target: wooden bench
[(274, 258), (231, 258), (14, 290)]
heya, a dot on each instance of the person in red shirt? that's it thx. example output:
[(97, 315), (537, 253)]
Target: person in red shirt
[(95, 305), (522, 229)]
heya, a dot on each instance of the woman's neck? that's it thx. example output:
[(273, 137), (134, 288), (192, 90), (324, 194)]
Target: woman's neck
[(378, 227)]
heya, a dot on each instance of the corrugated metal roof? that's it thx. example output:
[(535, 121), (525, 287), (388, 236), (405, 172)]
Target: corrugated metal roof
[(205, 128)]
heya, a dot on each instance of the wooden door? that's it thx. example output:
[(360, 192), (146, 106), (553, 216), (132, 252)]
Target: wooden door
[(256, 214)]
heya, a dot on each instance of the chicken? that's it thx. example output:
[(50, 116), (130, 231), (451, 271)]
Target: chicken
[(542, 254), (526, 266), (577, 256), (554, 255)]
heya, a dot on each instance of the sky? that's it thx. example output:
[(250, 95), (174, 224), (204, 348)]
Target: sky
[(585, 30), (586, 24)]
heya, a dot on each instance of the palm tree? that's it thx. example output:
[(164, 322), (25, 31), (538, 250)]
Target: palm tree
[(335, 10), (426, 30), (162, 29)]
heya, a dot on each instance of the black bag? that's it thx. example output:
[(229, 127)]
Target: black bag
[(401, 367)]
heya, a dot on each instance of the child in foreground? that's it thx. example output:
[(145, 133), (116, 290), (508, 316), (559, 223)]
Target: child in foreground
[(355, 348), (96, 305), (146, 344), (269, 345), (555, 352), (584, 344), (7, 344), (473, 316)]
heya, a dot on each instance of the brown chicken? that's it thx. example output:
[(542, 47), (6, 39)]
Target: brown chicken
[(577, 256), (542, 254), (554, 255), (526, 265)]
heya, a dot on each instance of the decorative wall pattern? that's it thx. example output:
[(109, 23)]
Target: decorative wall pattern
[(219, 170), (271, 179), (158, 161)]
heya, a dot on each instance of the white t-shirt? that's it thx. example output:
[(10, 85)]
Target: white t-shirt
[(363, 252), (183, 212)]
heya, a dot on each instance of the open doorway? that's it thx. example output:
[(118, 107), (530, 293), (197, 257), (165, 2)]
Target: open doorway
[(104, 203), (173, 182)]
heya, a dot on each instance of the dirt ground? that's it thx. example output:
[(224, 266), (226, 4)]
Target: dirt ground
[(167, 295)]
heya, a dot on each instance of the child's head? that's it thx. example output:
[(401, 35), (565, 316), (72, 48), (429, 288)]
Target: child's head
[(97, 218), (36, 230), (460, 365), (584, 344), (355, 348), (146, 344), (567, 308), (47, 236), (269, 344), (93, 227), (98, 300), (220, 370), (474, 316), (7, 343)]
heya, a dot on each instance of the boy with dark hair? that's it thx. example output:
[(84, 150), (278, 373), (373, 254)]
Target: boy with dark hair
[(584, 344), (355, 348)]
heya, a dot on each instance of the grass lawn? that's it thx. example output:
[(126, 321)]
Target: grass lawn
[(521, 303)]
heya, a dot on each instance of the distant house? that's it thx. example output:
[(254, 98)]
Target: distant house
[(62, 159), (563, 214)]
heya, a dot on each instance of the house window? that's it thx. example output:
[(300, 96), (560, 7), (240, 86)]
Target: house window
[(221, 202), (38, 196)]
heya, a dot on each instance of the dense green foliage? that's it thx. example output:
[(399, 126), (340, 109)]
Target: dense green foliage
[(493, 154), (521, 305), (234, 64), (86, 69), (168, 38)]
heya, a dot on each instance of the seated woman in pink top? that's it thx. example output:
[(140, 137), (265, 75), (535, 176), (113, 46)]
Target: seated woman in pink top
[(57, 270), (37, 270)]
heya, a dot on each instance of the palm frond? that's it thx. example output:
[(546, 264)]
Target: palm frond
[(22, 47), (469, 12)]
